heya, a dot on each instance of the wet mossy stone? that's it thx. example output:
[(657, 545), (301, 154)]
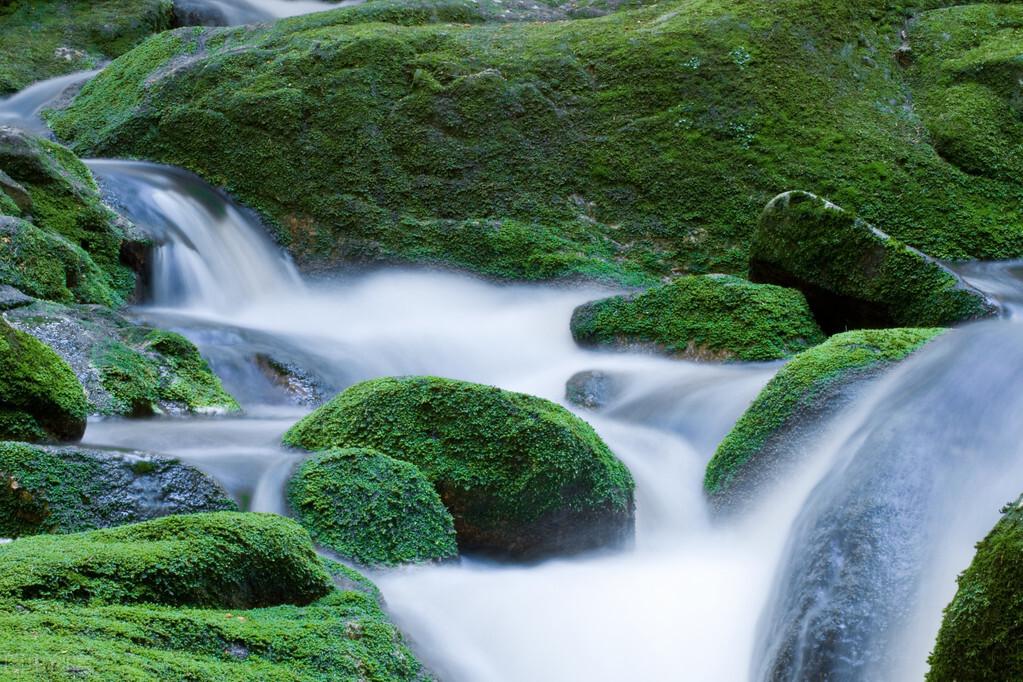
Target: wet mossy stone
[(982, 628), (717, 317), (593, 389), (216, 560), (770, 436), (40, 397), (522, 476), (371, 508), (855, 276), (68, 490)]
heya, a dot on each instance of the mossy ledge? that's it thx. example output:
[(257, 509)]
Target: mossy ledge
[(983, 626), (716, 317), (522, 476), (371, 508), (814, 385)]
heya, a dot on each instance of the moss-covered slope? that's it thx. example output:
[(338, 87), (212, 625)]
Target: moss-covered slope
[(644, 141), (371, 508), (521, 476), (40, 398), (983, 626), (711, 316), (814, 385)]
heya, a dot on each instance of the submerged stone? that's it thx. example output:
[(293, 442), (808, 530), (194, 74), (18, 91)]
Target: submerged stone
[(593, 388)]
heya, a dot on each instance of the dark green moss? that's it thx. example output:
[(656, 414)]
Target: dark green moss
[(371, 508), (520, 475), (983, 626), (803, 386), (40, 398), (8, 207), (710, 316)]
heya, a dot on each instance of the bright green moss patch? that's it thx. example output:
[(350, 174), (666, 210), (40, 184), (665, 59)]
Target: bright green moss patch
[(46, 38), (710, 316), (224, 559), (854, 275), (520, 475), (40, 398), (801, 388), (371, 508), (8, 207), (981, 632)]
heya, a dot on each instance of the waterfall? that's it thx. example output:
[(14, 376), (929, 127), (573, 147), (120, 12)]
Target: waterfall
[(24, 108)]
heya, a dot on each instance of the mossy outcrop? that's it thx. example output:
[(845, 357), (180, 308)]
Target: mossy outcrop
[(40, 398), (371, 508), (853, 274), (983, 626), (522, 476), (717, 317), (126, 368), (60, 241), (645, 142), (69, 490), (113, 609), (815, 385)]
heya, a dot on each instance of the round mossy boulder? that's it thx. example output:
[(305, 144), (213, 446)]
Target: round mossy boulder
[(983, 626), (522, 476), (854, 275), (69, 489), (716, 317), (816, 384), (371, 508), (223, 559), (40, 398)]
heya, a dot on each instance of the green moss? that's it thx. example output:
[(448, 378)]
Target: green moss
[(46, 38), (8, 207), (520, 475), (224, 559), (40, 398), (189, 379), (854, 274), (710, 316), (642, 143), (980, 634), (802, 385), (371, 508)]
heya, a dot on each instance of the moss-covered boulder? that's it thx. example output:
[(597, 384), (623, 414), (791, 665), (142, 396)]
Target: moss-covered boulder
[(717, 317), (68, 490), (371, 508), (40, 398), (62, 243), (126, 368), (771, 435), (983, 626), (522, 476), (854, 275)]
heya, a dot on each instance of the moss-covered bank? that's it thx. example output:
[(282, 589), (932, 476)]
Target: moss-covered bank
[(520, 475), (814, 385), (711, 316)]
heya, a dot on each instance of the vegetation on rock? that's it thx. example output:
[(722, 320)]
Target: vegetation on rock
[(40, 398), (853, 274), (711, 316), (815, 383), (371, 508), (520, 475)]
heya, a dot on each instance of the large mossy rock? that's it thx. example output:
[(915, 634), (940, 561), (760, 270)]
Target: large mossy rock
[(716, 317), (371, 508), (854, 275), (68, 490), (645, 141), (983, 626), (771, 435), (126, 368), (40, 398), (224, 559), (522, 476)]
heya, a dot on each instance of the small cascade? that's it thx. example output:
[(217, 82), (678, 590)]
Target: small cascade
[(24, 108), (236, 12)]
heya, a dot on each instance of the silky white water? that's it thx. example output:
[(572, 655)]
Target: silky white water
[(883, 509)]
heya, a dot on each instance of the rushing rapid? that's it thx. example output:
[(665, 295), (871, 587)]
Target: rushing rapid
[(840, 572), (24, 109)]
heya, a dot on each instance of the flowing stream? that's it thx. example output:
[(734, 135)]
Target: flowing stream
[(840, 573)]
